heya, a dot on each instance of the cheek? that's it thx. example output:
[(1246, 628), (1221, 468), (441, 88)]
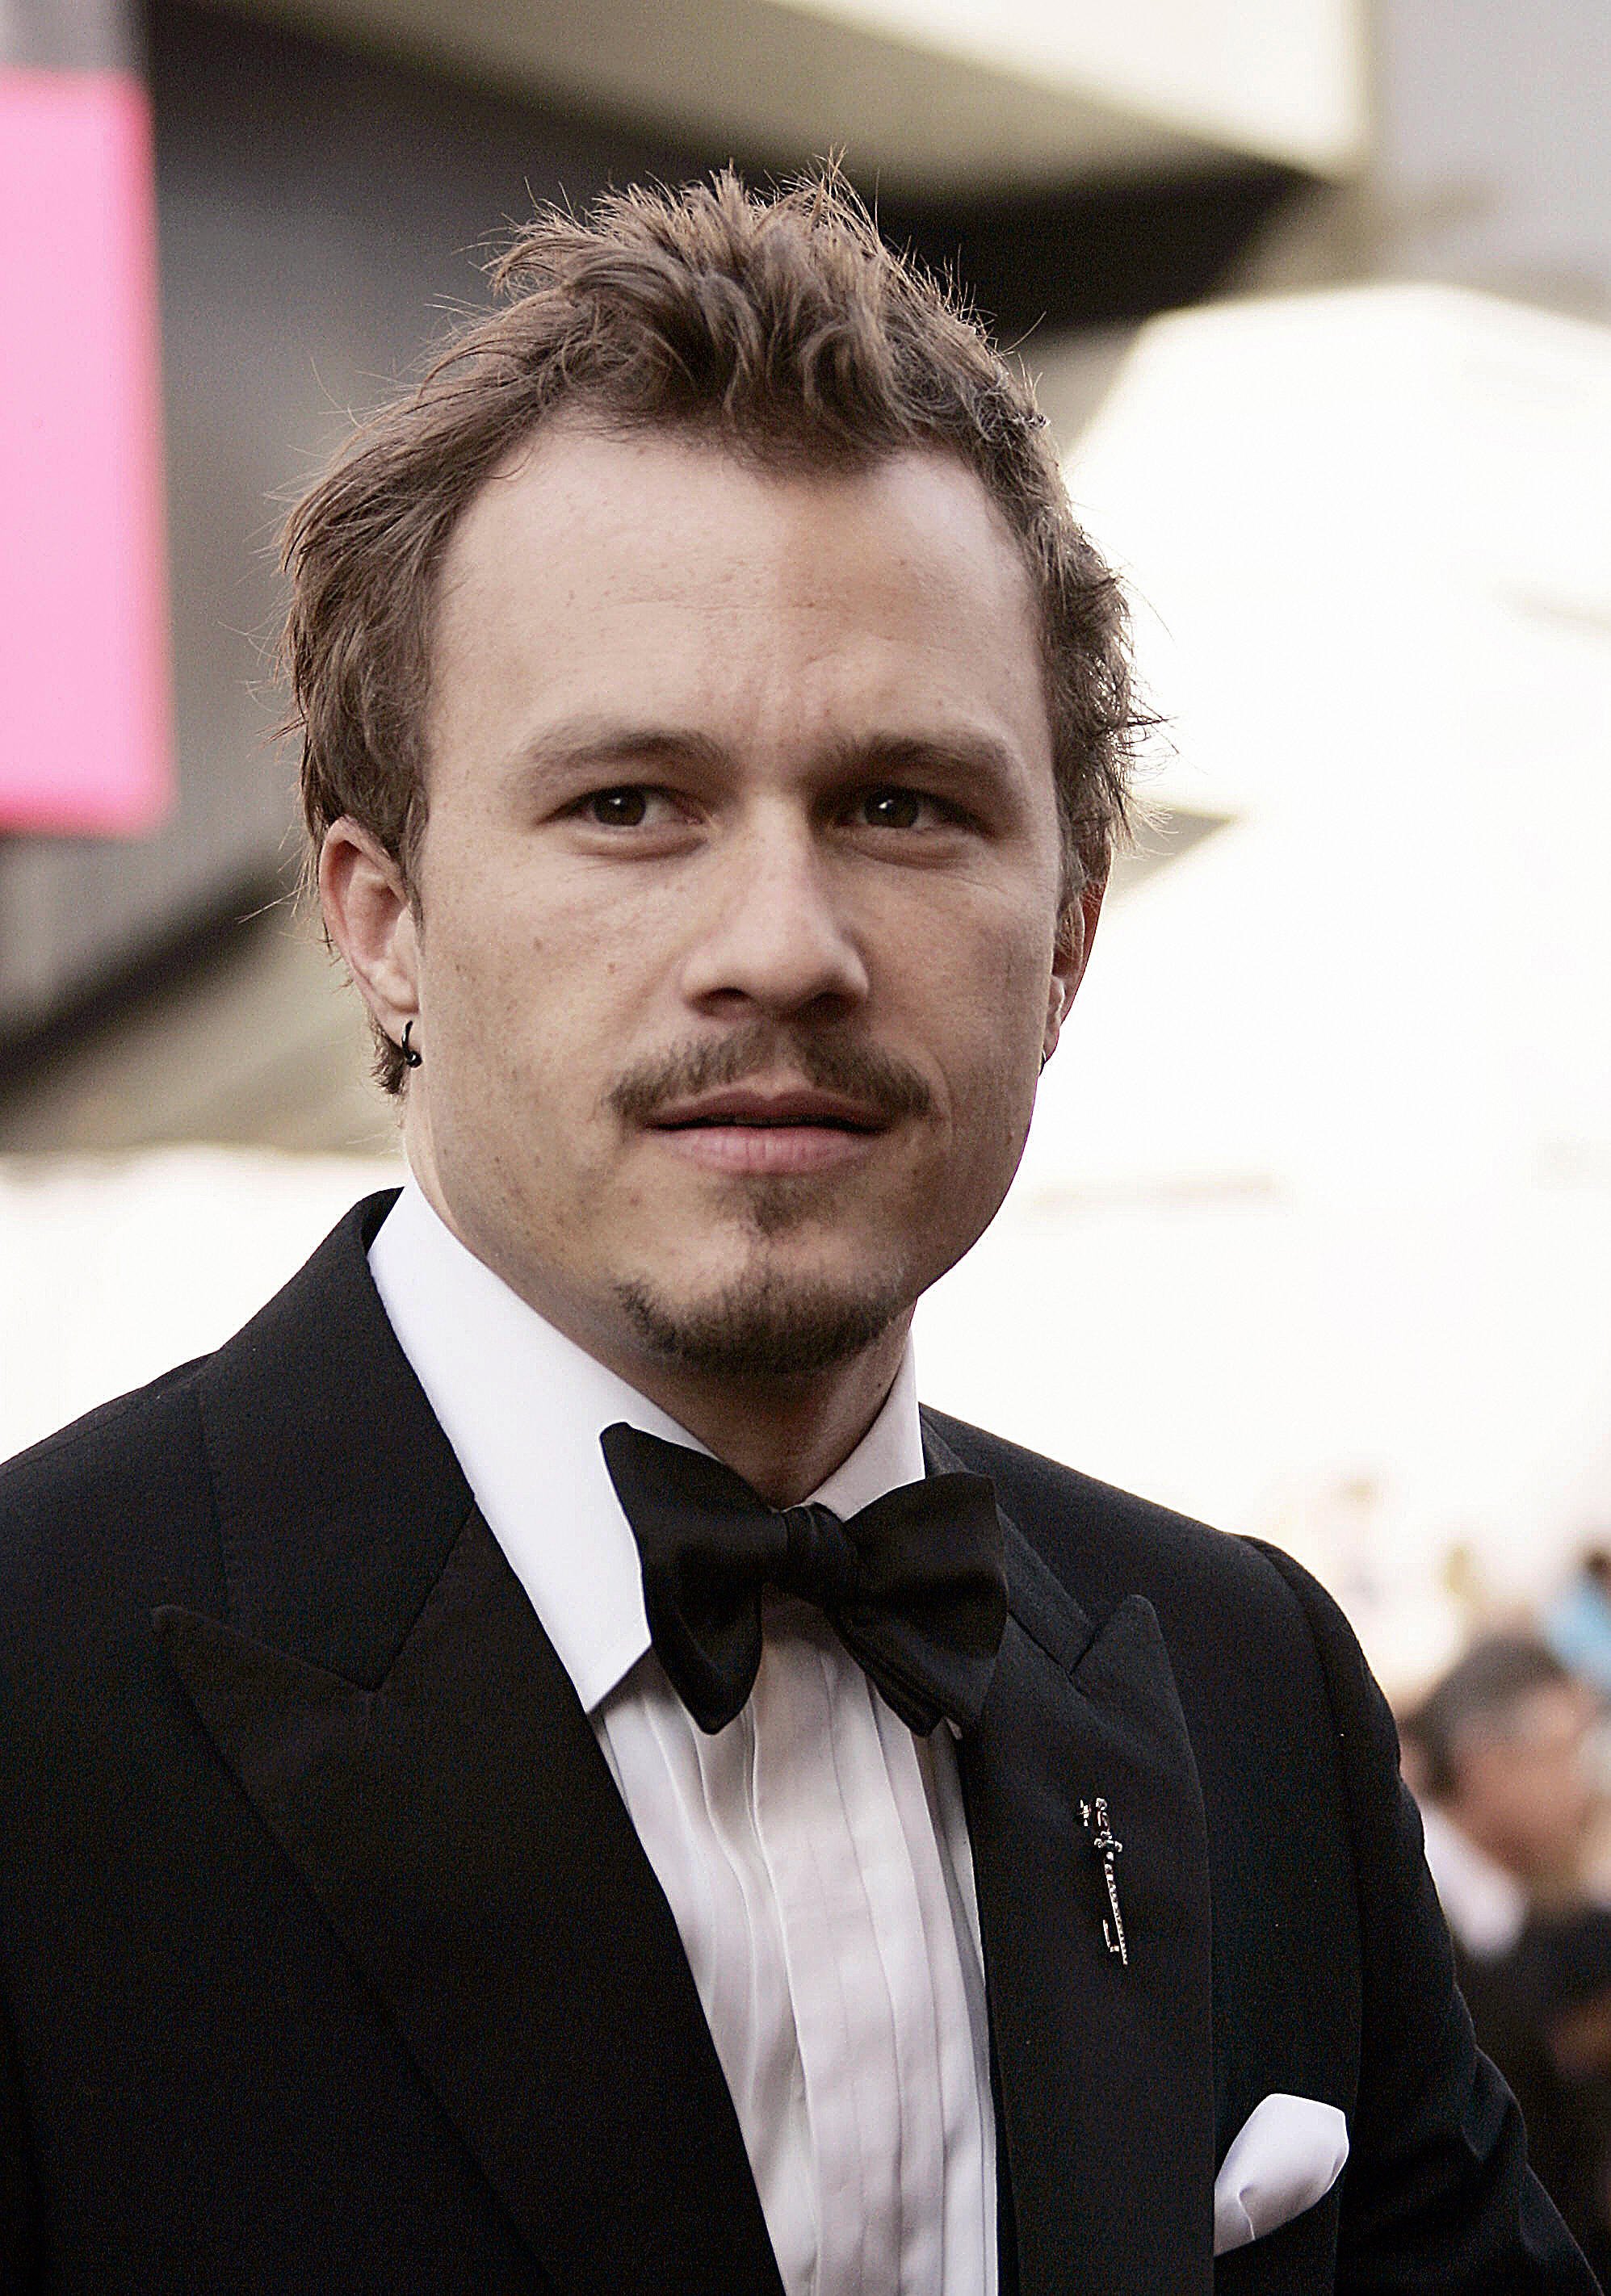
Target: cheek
[(495, 956), (538, 996), (994, 1010), (1004, 999)]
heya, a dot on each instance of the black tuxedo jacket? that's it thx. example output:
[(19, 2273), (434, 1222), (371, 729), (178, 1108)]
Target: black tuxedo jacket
[(330, 1961)]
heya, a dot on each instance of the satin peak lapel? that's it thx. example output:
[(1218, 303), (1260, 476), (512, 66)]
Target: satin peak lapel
[(461, 1833), (1106, 2064)]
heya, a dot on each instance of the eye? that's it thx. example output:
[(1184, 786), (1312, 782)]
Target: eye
[(627, 807), (895, 809), (637, 818)]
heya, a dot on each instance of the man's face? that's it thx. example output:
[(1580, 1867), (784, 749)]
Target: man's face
[(738, 902), (1524, 1791)]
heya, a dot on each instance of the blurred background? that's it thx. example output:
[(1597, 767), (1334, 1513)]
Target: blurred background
[(1314, 1234)]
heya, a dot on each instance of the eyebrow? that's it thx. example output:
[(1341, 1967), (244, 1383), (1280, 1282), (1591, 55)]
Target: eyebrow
[(591, 741), (587, 743), (969, 756)]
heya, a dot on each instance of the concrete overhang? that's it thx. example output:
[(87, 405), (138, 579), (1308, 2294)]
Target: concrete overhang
[(925, 96)]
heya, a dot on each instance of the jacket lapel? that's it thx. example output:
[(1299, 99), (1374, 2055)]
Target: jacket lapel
[(385, 1696), (1105, 2067)]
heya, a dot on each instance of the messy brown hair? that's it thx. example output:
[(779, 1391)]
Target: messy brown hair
[(781, 327)]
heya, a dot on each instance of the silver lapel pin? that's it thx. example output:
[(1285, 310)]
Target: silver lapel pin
[(1108, 1846)]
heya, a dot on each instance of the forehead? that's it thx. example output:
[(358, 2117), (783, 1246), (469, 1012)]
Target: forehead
[(676, 574)]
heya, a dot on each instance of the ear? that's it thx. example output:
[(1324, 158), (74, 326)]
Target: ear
[(1076, 934), (370, 917)]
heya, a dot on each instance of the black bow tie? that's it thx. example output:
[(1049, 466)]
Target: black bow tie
[(913, 1585)]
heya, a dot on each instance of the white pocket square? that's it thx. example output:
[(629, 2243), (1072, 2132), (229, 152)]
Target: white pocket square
[(1287, 2154)]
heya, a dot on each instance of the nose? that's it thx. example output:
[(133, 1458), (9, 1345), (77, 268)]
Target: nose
[(774, 938)]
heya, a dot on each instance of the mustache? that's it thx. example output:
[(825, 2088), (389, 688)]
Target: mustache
[(888, 1087)]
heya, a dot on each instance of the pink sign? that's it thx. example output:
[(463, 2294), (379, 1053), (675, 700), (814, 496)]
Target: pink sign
[(83, 684)]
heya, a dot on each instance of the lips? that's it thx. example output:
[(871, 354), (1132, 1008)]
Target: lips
[(743, 1105), (748, 1130)]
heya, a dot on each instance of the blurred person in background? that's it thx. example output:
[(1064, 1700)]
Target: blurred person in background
[(1577, 1625), (1502, 1753), (536, 1766)]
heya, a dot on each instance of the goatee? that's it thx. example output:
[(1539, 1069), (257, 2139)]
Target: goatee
[(765, 1328)]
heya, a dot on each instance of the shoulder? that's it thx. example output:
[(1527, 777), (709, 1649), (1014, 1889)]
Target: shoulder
[(1104, 1543), (1270, 1675), (128, 1447), (104, 1519), (119, 1512)]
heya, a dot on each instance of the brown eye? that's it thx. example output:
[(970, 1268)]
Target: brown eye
[(619, 808), (893, 809)]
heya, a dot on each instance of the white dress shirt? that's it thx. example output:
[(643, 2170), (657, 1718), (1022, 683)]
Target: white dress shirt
[(814, 1853), (1485, 1906)]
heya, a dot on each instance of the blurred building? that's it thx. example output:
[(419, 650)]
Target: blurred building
[(1316, 1228)]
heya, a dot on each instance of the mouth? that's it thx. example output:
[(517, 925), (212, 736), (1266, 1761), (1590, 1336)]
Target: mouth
[(748, 1130)]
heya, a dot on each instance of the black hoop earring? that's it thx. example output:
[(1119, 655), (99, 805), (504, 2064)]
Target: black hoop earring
[(411, 1059)]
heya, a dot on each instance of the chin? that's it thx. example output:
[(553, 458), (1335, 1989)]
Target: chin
[(771, 1326)]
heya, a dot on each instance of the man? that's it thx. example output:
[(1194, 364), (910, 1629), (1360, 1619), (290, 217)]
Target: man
[(1503, 1746), (534, 1767)]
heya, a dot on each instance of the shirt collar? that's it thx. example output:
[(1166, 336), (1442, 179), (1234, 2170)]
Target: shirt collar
[(523, 1407), (1485, 1906)]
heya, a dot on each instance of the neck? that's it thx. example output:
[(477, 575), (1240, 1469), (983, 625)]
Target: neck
[(784, 1436)]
